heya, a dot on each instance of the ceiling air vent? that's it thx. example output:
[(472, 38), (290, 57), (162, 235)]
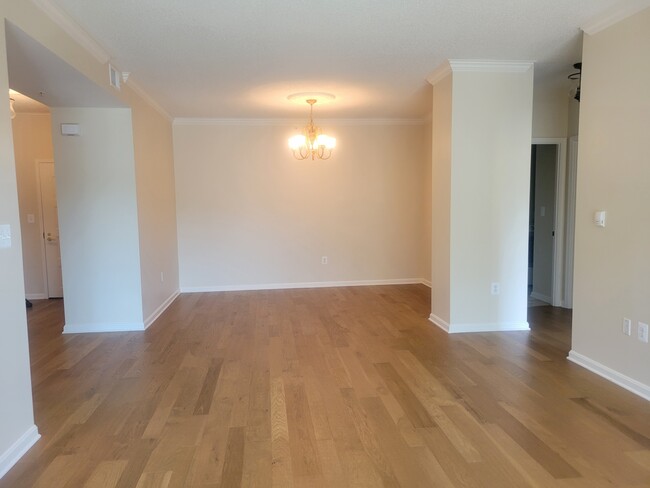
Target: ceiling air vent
[(114, 77)]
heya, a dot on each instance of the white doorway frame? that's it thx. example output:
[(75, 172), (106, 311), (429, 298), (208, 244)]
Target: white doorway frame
[(572, 178), (41, 225), (560, 211)]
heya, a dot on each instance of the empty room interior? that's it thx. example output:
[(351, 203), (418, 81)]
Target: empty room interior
[(324, 244)]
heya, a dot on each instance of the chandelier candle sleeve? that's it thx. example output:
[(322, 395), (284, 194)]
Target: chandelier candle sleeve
[(312, 142)]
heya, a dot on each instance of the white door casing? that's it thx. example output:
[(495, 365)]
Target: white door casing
[(561, 201), (50, 229)]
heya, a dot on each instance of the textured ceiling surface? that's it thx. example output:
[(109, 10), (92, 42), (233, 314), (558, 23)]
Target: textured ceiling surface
[(241, 58)]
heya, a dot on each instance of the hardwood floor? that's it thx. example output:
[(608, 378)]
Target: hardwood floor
[(338, 387)]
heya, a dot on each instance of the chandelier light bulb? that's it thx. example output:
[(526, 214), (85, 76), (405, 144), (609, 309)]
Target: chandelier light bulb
[(296, 141)]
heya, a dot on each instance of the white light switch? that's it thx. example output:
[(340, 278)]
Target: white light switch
[(30, 218), (542, 211), (5, 236), (599, 218)]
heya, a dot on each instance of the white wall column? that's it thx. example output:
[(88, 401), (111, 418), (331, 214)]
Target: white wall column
[(98, 220), (17, 430), (482, 125)]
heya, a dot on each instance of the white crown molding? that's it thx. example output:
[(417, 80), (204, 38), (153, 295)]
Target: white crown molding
[(439, 73), (74, 30), (478, 66), (491, 65), (133, 85), (615, 14), (293, 122)]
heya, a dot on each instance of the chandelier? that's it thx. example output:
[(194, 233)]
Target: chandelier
[(312, 142)]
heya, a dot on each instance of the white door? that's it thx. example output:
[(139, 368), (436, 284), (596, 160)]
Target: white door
[(50, 218)]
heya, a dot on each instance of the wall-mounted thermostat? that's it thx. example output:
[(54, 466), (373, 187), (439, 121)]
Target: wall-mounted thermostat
[(70, 129)]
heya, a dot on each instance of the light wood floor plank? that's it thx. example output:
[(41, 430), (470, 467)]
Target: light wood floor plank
[(334, 387)]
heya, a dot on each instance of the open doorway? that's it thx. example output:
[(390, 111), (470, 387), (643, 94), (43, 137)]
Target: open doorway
[(79, 200), (36, 188), (546, 246)]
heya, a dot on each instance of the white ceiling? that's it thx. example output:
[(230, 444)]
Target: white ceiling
[(241, 58)]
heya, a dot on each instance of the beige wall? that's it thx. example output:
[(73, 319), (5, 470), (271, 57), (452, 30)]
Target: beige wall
[(612, 267), (441, 199), (32, 136), (154, 172), (427, 202), (550, 109), (249, 214), (574, 117)]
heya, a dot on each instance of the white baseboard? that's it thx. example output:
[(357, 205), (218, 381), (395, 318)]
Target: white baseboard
[(478, 327), (620, 379), (158, 312), (433, 318), (92, 328), (426, 282), (544, 298), (36, 296), (17, 450), (285, 286)]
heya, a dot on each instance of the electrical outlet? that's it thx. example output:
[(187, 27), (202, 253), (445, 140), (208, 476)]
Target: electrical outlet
[(627, 327), (495, 288), (323, 260), (643, 332)]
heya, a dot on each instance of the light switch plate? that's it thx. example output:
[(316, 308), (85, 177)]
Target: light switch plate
[(599, 218), (30, 218), (643, 332), (5, 236)]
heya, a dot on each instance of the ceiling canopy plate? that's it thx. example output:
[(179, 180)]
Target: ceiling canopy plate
[(302, 97)]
